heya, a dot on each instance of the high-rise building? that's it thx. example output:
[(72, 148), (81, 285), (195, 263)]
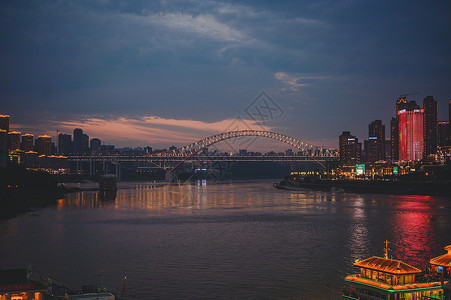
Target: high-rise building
[(350, 149), (95, 146), (4, 123), (13, 140), (44, 145), (388, 151), (443, 133), (430, 125), (4, 128), (449, 118), (65, 145), (3, 150), (85, 144), (81, 142), (410, 130), (27, 142), (401, 104), (375, 145), (394, 139), (449, 111), (78, 143)]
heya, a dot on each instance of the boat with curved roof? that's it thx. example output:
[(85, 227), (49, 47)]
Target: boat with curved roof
[(392, 279)]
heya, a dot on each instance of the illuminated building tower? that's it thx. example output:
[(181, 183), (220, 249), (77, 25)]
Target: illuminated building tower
[(350, 149), (27, 142), (411, 132), (375, 145), (394, 139), (44, 145), (65, 145), (4, 128), (443, 133), (13, 140), (430, 125), (4, 123), (95, 146), (401, 103)]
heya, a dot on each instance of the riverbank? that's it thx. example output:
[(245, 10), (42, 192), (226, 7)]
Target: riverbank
[(22, 190), (367, 186)]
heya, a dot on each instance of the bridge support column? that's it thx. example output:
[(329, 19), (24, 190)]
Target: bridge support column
[(91, 167), (118, 172)]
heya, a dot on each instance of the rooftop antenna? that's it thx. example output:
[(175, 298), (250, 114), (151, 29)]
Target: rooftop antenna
[(408, 94)]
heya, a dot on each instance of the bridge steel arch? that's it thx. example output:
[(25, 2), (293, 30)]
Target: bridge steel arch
[(307, 148)]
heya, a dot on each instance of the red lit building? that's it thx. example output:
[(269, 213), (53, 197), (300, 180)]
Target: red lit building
[(411, 133)]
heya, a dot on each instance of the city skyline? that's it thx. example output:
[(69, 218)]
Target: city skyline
[(137, 74)]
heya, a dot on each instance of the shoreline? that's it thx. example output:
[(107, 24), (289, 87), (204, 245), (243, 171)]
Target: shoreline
[(369, 186)]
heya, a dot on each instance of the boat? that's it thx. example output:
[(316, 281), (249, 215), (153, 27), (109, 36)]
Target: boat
[(391, 279)]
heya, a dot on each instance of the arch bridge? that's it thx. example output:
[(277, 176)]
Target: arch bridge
[(316, 153), (306, 148), (190, 152)]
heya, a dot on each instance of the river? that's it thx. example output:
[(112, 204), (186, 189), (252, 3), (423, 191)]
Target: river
[(230, 240)]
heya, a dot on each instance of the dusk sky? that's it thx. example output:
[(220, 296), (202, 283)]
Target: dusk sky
[(158, 73)]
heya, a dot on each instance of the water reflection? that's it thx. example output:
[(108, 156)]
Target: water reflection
[(414, 236), (230, 240), (358, 240)]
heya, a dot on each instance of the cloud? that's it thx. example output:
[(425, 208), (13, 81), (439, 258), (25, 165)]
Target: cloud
[(151, 130), (295, 81), (205, 25)]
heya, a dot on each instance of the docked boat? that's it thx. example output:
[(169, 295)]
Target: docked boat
[(392, 279)]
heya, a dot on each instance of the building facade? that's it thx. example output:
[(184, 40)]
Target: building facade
[(411, 145), (44, 145), (27, 142), (375, 145), (430, 125), (4, 122), (443, 134), (95, 146), (65, 145), (13, 140), (350, 149), (394, 139)]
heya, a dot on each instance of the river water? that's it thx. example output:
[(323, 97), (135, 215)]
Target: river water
[(231, 240)]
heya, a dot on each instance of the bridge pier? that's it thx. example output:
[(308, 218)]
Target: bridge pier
[(118, 171)]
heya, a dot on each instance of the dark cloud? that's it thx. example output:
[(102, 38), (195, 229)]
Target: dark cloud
[(206, 60)]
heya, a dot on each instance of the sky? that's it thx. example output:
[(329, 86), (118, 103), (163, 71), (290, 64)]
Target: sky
[(161, 73)]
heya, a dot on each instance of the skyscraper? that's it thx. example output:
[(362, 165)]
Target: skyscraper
[(375, 145), (430, 125), (394, 138), (4, 123), (350, 149), (65, 145), (95, 146), (13, 140), (411, 132), (78, 147), (443, 133), (81, 142), (27, 142), (401, 104), (44, 145)]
